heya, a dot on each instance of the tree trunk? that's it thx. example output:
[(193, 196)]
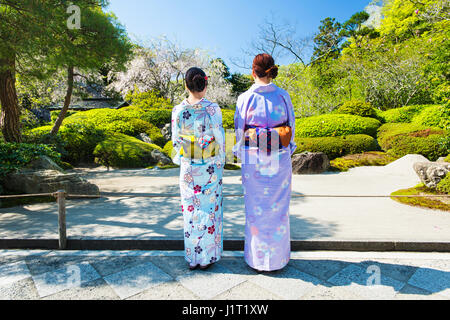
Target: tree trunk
[(10, 115), (67, 100)]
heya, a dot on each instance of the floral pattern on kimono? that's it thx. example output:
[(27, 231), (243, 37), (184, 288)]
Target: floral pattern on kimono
[(201, 181), (266, 177)]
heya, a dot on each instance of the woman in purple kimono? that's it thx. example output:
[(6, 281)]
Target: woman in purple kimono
[(266, 167), (199, 143)]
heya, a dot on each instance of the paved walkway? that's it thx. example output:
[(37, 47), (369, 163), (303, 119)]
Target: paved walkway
[(160, 275), (369, 219)]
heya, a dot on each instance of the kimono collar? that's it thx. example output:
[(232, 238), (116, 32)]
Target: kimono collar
[(260, 88), (201, 102)]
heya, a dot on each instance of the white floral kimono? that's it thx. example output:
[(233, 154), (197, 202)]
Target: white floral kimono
[(200, 180)]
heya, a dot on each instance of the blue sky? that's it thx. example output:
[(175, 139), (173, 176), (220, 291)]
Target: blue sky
[(224, 27)]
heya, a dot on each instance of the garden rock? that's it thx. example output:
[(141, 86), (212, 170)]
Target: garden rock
[(167, 132), (310, 163), (431, 173), (161, 158), (44, 163), (144, 137), (28, 181)]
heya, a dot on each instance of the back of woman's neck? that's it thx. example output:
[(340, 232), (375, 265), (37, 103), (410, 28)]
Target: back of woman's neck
[(193, 99), (262, 82)]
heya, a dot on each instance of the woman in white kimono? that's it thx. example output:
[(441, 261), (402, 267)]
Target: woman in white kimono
[(199, 143)]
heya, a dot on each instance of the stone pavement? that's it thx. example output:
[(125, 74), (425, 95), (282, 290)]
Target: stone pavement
[(157, 275)]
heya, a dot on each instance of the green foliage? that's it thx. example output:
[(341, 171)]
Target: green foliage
[(122, 151), (400, 139), (240, 82), (421, 142), (372, 158), (148, 100), (444, 185), (75, 141), (421, 189), (141, 126), (54, 114), (228, 119), (333, 125), (447, 159), (158, 117), (403, 114), (434, 116), (335, 147), (17, 155), (168, 149), (357, 108)]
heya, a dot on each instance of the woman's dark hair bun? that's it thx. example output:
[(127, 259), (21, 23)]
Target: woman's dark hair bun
[(264, 66), (196, 80)]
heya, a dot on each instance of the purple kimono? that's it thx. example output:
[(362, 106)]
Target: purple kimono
[(266, 176)]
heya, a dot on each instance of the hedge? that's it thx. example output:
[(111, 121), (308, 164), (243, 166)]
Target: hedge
[(336, 147), (400, 139), (433, 116), (158, 117), (228, 118), (15, 156), (371, 158), (122, 151), (75, 141), (400, 115), (357, 108), (334, 125)]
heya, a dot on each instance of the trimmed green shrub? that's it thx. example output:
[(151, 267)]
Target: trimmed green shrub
[(444, 185), (122, 151), (17, 155), (148, 100), (400, 115), (400, 139), (447, 159), (433, 116), (228, 119), (158, 117), (335, 147), (357, 108), (168, 148), (141, 126), (75, 141), (334, 125)]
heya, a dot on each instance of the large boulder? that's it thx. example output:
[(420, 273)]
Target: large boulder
[(44, 163), (28, 181), (310, 163), (431, 173)]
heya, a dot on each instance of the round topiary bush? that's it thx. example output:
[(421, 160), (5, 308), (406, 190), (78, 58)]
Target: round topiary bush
[(400, 115), (122, 151), (335, 147), (158, 117), (168, 149), (400, 139), (228, 119), (334, 125), (433, 116), (358, 108)]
